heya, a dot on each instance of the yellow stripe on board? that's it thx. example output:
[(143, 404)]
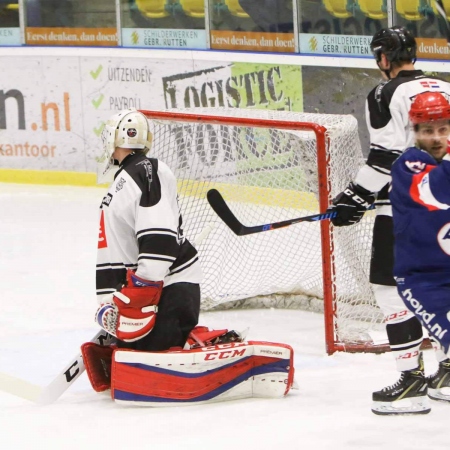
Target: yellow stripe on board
[(231, 192), (282, 198), (47, 177)]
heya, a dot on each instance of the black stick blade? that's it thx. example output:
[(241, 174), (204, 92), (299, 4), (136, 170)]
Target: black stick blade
[(219, 206)]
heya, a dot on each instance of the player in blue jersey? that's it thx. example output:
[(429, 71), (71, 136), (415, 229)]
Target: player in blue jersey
[(420, 197), (387, 117)]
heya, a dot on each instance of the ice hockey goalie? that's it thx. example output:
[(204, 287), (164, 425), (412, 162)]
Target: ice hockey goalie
[(218, 366)]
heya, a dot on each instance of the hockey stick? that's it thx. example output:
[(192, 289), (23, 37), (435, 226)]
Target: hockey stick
[(218, 204), (64, 379), (441, 10)]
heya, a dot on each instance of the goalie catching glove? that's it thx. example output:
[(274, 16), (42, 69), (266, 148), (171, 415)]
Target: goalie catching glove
[(133, 313), (350, 205)]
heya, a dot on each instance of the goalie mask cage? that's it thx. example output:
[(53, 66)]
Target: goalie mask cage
[(272, 166)]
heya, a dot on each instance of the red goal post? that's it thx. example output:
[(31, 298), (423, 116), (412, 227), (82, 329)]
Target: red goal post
[(273, 166)]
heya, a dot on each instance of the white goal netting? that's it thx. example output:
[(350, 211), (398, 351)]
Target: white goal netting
[(267, 174)]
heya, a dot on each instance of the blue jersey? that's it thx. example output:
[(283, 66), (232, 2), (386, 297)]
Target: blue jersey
[(420, 197)]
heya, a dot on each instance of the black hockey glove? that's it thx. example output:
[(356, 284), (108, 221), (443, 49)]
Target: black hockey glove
[(350, 205)]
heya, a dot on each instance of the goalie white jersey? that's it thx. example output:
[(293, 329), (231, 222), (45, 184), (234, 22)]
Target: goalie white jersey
[(141, 228)]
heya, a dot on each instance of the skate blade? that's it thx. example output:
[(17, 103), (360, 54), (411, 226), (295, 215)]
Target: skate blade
[(441, 394), (411, 405)]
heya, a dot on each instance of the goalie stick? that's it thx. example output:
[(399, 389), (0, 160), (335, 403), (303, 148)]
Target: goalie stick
[(64, 379), (220, 207), (441, 10)]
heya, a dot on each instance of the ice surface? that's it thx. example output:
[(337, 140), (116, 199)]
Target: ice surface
[(48, 247)]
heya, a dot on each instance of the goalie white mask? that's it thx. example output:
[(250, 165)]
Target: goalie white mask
[(127, 129)]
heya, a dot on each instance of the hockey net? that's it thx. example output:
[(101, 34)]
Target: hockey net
[(273, 166)]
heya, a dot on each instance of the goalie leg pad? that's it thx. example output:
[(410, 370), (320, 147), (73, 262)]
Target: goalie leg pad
[(202, 375), (97, 360)]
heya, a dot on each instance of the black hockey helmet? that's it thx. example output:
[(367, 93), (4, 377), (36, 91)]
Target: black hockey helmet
[(397, 44)]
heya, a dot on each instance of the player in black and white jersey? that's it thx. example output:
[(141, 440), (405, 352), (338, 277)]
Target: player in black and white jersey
[(148, 273), (387, 108)]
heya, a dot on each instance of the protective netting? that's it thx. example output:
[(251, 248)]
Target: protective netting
[(268, 175)]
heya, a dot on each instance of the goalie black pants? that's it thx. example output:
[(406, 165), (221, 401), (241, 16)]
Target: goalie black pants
[(178, 312)]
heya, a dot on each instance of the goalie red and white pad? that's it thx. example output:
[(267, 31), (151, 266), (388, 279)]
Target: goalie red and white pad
[(202, 375), (97, 358)]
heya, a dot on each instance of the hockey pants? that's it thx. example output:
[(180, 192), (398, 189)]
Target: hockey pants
[(428, 297)]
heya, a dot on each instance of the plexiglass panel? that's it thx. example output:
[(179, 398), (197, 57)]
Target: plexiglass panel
[(340, 27), (71, 22), (427, 25), (163, 23), (256, 25)]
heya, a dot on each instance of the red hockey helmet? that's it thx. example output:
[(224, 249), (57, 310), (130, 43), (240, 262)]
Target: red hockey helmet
[(429, 106)]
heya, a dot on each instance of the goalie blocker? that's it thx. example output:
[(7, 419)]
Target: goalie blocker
[(215, 373)]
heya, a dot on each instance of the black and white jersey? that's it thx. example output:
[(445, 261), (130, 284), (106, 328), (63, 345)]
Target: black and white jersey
[(387, 117), (141, 228)]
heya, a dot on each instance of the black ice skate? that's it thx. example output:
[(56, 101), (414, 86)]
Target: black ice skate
[(407, 396), (439, 383)]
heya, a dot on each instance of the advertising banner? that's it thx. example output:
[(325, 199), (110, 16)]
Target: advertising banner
[(55, 121), (334, 44), (252, 40), (236, 85), (94, 37), (41, 122), (432, 48), (163, 38), (10, 36)]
